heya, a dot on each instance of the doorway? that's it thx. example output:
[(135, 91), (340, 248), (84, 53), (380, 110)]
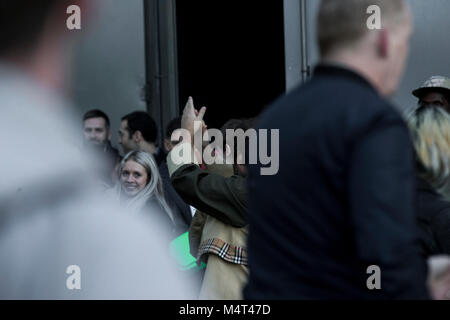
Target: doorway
[(230, 56)]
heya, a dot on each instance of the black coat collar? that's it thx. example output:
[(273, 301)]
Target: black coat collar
[(328, 69)]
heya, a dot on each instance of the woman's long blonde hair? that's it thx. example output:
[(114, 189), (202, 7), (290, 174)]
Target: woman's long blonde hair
[(154, 187), (430, 130)]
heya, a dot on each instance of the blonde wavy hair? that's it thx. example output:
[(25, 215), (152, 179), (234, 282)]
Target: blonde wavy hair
[(430, 131), (154, 188)]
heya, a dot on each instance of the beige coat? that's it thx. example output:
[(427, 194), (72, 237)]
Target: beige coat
[(223, 280)]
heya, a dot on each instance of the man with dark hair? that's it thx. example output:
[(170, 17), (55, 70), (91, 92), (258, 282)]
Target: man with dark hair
[(243, 124), (97, 135), (138, 131), (342, 203), (96, 127)]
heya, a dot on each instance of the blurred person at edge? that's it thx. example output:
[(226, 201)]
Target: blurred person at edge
[(430, 132), (51, 217), (429, 125), (356, 208), (139, 131)]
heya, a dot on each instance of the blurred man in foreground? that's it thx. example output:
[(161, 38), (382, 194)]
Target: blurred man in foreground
[(58, 239)]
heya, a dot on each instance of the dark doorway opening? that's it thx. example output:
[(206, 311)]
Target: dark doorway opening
[(230, 56)]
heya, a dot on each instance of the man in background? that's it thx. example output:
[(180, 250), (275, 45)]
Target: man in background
[(218, 231), (138, 131), (97, 138)]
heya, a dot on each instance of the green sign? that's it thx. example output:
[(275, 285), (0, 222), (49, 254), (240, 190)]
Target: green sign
[(180, 249)]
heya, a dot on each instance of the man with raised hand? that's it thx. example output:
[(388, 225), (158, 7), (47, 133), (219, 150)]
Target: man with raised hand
[(221, 199)]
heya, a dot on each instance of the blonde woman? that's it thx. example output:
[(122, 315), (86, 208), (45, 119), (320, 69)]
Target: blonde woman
[(430, 131), (140, 186)]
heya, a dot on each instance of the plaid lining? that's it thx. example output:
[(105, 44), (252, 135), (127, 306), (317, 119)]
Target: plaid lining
[(227, 252)]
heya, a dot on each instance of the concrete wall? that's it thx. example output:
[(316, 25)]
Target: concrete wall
[(109, 69), (110, 60), (430, 46)]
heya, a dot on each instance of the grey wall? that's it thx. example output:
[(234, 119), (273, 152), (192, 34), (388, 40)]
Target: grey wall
[(313, 53), (430, 46), (292, 43), (109, 69)]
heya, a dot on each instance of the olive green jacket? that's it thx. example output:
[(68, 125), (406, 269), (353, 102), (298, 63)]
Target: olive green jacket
[(220, 224)]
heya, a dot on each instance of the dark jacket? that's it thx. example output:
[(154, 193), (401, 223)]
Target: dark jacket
[(434, 220), (224, 198), (160, 156), (156, 214), (343, 198), (181, 210), (110, 157)]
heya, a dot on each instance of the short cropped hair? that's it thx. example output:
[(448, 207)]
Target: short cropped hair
[(22, 21), (96, 114), (342, 23), (143, 122)]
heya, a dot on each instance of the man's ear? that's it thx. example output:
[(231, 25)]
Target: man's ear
[(109, 134), (383, 43), (167, 145), (137, 136)]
